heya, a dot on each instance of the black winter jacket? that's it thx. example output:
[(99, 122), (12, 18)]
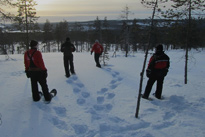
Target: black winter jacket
[(67, 48), (158, 65)]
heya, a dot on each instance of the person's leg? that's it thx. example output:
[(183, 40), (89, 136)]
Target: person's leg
[(43, 82), (148, 88), (97, 56), (72, 65), (66, 66), (158, 91), (34, 88)]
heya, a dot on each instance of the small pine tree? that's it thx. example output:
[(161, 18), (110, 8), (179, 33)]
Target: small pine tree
[(26, 17), (105, 56)]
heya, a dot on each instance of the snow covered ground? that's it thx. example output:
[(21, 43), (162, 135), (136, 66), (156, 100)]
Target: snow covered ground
[(102, 102)]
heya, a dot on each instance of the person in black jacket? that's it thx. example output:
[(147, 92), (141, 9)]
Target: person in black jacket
[(157, 69), (67, 48)]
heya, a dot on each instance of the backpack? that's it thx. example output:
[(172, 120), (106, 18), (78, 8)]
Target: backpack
[(32, 65)]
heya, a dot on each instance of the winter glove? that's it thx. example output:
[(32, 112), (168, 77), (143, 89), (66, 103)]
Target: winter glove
[(148, 73), (73, 49), (91, 52), (141, 74), (27, 74)]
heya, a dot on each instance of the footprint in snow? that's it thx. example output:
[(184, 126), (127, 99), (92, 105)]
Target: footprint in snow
[(116, 78), (165, 124), (108, 69), (43, 106), (100, 100), (102, 91), (76, 90), (85, 94), (74, 82), (119, 79), (60, 111), (115, 74), (106, 107), (80, 85), (110, 95), (72, 79), (113, 86), (168, 115), (80, 129), (81, 101), (113, 81), (58, 123)]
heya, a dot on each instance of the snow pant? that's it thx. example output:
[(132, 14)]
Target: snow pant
[(159, 87), (96, 57), (39, 77), (68, 62)]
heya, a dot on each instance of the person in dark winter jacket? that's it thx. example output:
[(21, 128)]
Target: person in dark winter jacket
[(98, 49), (67, 48), (156, 71), (36, 71)]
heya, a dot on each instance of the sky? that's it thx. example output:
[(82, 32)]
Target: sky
[(86, 10)]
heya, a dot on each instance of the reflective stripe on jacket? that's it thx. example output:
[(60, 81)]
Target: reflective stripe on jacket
[(159, 61)]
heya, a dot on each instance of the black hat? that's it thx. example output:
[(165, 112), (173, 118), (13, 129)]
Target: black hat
[(159, 48), (67, 39), (33, 43)]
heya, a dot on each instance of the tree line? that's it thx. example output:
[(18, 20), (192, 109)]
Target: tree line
[(128, 35)]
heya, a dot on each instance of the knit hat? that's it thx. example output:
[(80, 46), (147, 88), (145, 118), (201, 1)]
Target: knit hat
[(33, 43), (96, 41), (159, 48), (67, 39)]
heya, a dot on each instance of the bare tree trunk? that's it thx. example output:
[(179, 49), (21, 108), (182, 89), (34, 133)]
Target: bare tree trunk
[(186, 66), (145, 60), (187, 45), (27, 35)]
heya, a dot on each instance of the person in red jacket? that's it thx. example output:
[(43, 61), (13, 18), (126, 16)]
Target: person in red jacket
[(157, 69), (35, 70), (98, 49)]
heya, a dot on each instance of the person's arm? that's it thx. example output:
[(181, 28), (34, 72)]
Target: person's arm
[(26, 62), (150, 67), (39, 61), (73, 48), (93, 48), (62, 48), (151, 63)]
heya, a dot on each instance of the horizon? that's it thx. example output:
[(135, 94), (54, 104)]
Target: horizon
[(86, 10)]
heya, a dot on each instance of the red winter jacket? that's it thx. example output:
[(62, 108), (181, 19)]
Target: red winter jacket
[(158, 64), (97, 48), (37, 59)]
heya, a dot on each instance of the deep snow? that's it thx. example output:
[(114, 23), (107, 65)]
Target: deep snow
[(101, 102)]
